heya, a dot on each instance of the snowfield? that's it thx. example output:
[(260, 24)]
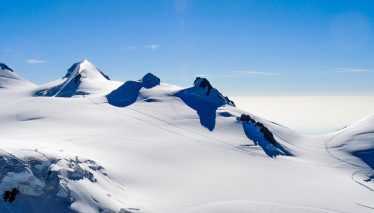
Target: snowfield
[(84, 143)]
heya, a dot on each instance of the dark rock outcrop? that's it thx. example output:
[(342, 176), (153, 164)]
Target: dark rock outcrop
[(203, 83), (269, 135), (125, 95), (10, 196), (247, 118), (150, 81), (205, 100), (128, 92), (261, 136), (5, 67)]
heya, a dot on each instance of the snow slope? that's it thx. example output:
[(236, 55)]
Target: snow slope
[(354, 145), (146, 146), (10, 80)]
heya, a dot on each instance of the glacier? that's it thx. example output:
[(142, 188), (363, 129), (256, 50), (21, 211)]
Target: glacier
[(86, 143)]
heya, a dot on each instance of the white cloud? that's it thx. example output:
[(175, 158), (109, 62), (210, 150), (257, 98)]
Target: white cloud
[(35, 61), (352, 70), (151, 46), (133, 48), (249, 72), (200, 75), (148, 46)]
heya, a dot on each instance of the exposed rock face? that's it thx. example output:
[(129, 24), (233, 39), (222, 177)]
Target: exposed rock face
[(150, 80), (203, 83), (246, 118), (269, 136), (125, 95), (204, 86), (5, 67), (205, 99), (128, 92), (10, 196), (262, 136)]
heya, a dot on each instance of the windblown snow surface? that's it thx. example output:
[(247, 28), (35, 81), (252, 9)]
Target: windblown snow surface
[(88, 144)]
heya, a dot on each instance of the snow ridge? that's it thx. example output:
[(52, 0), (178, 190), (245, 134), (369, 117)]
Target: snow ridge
[(147, 146)]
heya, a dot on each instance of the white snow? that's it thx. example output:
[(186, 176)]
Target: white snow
[(155, 154), (9, 79), (81, 79)]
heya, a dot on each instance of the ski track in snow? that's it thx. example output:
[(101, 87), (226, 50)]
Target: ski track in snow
[(213, 140), (347, 162)]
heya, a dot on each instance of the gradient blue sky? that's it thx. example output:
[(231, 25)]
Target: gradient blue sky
[(268, 47)]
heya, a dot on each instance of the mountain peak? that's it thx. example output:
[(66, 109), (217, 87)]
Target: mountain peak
[(85, 69), (82, 78), (149, 80), (203, 83), (85, 61), (5, 67), (203, 86)]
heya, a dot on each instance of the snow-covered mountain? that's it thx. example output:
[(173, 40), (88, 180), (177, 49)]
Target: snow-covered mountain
[(82, 78), (354, 145), (9, 79), (147, 146)]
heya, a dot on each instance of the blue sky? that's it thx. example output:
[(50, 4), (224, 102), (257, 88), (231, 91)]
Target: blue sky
[(267, 47)]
